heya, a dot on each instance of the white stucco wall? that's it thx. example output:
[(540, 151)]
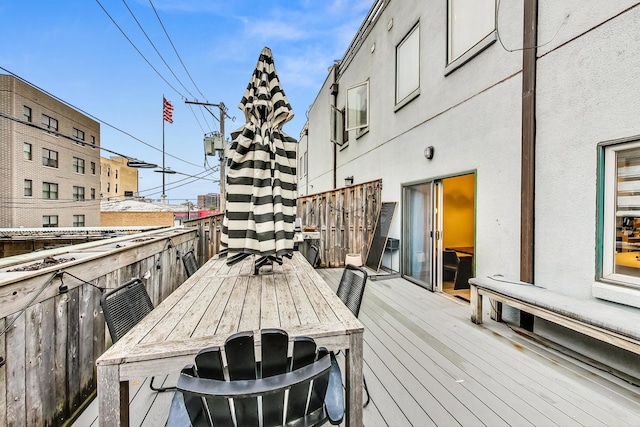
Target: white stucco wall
[(587, 93)]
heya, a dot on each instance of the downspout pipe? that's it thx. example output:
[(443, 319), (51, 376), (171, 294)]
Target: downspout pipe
[(527, 200), (334, 102)]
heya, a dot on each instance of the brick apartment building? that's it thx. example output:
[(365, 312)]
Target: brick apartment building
[(209, 201), (49, 160), (118, 181)]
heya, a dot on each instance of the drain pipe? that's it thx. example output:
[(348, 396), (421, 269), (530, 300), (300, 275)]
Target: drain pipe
[(334, 96), (527, 192)]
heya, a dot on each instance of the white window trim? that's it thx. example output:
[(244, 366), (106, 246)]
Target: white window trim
[(610, 286), (368, 106), (471, 53), (399, 103)]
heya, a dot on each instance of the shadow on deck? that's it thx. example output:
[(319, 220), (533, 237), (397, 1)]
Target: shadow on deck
[(426, 364)]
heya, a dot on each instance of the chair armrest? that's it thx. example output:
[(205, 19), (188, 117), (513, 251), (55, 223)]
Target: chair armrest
[(334, 399)]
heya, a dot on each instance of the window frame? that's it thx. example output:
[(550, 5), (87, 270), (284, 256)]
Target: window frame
[(28, 188), (47, 161), (415, 91), (78, 165), (29, 152), (49, 192), (79, 220), (27, 113), (481, 44), (78, 193), (49, 223), (93, 194), (93, 168), (78, 135), (50, 123), (350, 112), (608, 182)]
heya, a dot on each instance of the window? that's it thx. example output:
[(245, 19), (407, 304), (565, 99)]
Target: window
[(338, 134), (471, 28), (108, 187), (116, 171), (93, 194), (358, 106), (78, 220), (128, 194), (50, 221), (93, 141), (26, 151), (78, 165), (26, 112), (49, 123), (621, 213), (49, 158), (116, 188), (28, 187), (300, 168), (108, 171), (408, 67), (49, 190), (78, 194), (93, 168), (78, 134)]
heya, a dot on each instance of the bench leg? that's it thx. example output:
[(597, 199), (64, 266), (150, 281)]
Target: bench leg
[(496, 310), (476, 305)]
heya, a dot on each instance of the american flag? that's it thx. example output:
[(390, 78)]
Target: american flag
[(167, 110)]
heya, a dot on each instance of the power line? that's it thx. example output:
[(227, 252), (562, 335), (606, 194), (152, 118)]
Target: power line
[(94, 117), (138, 50), (154, 47), (176, 51)]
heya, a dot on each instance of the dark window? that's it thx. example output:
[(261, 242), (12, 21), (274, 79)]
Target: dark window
[(78, 220), (49, 190), (78, 165), (49, 158), (26, 151), (78, 194), (27, 113), (49, 123), (93, 194), (50, 221), (93, 168), (78, 134), (28, 187)]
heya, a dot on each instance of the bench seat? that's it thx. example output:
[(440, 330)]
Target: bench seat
[(610, 322)]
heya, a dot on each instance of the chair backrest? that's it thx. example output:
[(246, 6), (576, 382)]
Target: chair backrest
[(312, 255), (190, 263), (252, 394), (351, 287), (450, 259), (124, 307)]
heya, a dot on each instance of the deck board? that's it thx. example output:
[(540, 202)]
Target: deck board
[(427, 364)]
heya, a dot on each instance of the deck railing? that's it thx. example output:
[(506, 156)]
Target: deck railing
[(52, 329)]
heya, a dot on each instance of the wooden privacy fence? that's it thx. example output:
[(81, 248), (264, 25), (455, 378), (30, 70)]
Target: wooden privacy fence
[(208, 235), (346, 219), (52, 329)]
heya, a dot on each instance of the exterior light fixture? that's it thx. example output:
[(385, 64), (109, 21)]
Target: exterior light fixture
[(348, 181), (428, 152), (140, 164), (165, 170)]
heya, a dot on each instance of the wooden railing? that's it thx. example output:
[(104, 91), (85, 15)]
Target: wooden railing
[(208, 235), (52, 329), (346, 219)]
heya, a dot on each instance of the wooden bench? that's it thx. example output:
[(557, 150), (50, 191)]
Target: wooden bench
[(609, 322)]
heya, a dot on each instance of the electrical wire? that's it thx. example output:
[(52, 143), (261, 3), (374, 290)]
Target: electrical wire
[(95, 118), (138, 50), (175, 50), (155, 48)]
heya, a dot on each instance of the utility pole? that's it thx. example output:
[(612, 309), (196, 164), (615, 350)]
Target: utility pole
[(223, 160)]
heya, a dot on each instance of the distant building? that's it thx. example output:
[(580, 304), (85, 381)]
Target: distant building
[(117, 180), (208, 201), (49, 160)]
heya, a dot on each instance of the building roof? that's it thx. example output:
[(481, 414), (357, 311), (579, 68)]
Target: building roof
[(130, 205)]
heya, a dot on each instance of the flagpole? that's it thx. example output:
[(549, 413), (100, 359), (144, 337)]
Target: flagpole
[(163, 169)]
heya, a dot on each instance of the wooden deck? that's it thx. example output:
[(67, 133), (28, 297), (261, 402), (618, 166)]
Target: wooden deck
[(426, 364)]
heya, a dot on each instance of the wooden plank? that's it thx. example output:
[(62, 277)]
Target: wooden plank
[(85, 343), (269, 306), (3, 377), (252, 303), (215, 309), (287, 314), (73, 357), (15, 371)]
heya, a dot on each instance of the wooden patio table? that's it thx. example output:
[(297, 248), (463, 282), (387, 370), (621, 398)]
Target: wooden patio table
[(217, 301)]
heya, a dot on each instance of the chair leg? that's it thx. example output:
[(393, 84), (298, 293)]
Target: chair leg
[(366, 390), (159, 389)]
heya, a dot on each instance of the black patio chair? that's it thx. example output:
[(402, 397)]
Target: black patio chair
[(350, 291), (253, 393), (123, 308), (190, 263), (312, 255), (450, 265)]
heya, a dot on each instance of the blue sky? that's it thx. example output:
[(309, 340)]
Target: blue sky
[(73, 50)]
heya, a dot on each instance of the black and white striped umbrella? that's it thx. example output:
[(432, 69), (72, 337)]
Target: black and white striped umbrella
[(261, 178)]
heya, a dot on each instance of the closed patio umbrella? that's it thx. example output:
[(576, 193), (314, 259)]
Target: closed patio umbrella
[(261, 178)]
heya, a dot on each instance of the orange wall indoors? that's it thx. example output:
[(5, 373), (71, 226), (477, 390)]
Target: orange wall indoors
[(458, 205)]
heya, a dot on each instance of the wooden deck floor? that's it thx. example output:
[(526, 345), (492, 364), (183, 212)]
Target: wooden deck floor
[(426, 364)]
